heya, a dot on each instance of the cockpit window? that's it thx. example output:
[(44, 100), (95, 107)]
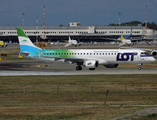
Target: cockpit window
[(144, 53)]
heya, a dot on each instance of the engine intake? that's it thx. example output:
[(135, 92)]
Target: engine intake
[(154, 53)]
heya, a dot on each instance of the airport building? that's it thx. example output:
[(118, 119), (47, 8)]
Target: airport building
[(76, 31)]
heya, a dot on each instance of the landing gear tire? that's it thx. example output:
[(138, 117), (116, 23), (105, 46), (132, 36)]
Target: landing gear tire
[(91, 68), (139, 68), (78, 68)]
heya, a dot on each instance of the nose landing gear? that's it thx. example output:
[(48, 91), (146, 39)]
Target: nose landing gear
[(139, 66)]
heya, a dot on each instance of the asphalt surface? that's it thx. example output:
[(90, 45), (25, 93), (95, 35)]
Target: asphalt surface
[(34, 67)]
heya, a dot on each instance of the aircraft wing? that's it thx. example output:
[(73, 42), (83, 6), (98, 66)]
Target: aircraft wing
[(111, 39), (136, 38), (59, 58), (24, 54), (67, 45), (66, 59)]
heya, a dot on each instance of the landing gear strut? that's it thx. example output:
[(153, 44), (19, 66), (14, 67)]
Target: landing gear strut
[(139, 66), (78, 68)]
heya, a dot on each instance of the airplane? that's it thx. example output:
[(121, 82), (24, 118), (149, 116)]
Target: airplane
[(72, 42), (126, 37), (90, 58), (125, 41), (2, 44)]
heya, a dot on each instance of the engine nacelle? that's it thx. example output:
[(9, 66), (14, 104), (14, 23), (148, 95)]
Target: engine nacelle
[(91, 64), (111, 66), (79, 44), (154, 53)]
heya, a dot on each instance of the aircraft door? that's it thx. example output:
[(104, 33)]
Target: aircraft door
[(136, 56)]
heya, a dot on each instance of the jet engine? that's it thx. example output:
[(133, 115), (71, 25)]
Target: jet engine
[(91, 64), (154, 52), (111, 66)]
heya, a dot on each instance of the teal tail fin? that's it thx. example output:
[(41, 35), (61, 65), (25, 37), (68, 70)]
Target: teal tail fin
[(25, 43)]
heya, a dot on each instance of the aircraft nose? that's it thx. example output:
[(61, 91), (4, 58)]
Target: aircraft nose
[(152, 59)]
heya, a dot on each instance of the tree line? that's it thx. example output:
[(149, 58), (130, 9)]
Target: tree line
[(136, 23)]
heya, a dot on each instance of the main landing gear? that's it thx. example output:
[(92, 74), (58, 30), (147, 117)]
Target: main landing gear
[(139, 66), (91, 68), (78, 68)]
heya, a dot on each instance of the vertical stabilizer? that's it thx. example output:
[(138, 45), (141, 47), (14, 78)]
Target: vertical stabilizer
[(69, 38), (24, 42), (122, 38), (131, 32)]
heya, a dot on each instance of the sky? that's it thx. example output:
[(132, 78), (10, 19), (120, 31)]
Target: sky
[(88, 12)]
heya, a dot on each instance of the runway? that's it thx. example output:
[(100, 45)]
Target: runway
[(33, 67)]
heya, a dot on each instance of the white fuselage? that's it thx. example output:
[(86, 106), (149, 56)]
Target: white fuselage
[(71, 42), (103, 56), (90, 58), (125, 42)]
